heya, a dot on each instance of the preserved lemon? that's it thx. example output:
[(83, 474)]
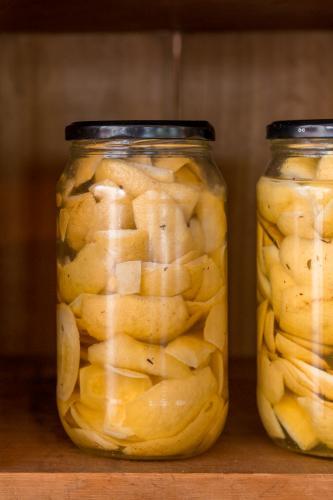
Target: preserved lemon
[(68, 342), (295, 289), (142, 323)]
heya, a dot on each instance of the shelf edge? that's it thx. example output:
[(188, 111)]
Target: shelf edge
[(87, 485)]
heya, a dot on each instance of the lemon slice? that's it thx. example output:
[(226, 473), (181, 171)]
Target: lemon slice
[(325, 168), (186, 258), (217, 366), (280, 280), (299, 167), (188, 175), (87, 438), (63, 219), (84, 168), (323, 381), (321, 413), (106, 424), (297, 422), (269, 330), (215, 330), (124, 352), (195, 307), (307, 259), (197, 234), (211, 282), (151, 319), (64, 406), (143, 159), (306, 318), (271, 233), (268, 417), (298, 219), (215, 428), (260, 242), (271, 256), (196, 270), (159, 174), (99, 385), (169, 406), (185, 195), (188, 439), (219, 256), (270, 378), (324, 221), (320, 349), (273, 198), (85, 274), (290, 349), (169, 237), (261, 318), (164, 280), (173, 163), (264, 286), (190, 349), (136, 183), (295, 380), (211, 214), (81, 212), (68, 347), (128, 277)]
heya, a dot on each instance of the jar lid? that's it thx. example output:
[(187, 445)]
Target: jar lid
[(145, 129), (298, 129)]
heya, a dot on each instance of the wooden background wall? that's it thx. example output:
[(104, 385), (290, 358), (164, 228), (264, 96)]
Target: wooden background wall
[(238, 81)]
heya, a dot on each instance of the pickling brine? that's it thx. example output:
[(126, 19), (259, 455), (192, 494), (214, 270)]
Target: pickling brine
[(142, 290), (295, 290)]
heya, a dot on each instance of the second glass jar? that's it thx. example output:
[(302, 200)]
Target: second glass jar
[(295, 287), (142, 288)]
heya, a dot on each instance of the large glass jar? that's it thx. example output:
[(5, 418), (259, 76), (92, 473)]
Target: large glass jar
[(142, 291), (295, 287)]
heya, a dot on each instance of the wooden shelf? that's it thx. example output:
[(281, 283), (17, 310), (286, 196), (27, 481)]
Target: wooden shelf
[(38, 461), (197, 15)]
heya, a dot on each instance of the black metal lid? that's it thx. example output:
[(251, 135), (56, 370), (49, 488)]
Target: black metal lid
[(145, 129), (298, 129)]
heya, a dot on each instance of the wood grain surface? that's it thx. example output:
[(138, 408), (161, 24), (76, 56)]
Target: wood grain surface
[(153, 486), (38, 461), (106, 15), (239, 81)]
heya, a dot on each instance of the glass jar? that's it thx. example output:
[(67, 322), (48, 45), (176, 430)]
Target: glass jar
[(142, 313), (295, 287)]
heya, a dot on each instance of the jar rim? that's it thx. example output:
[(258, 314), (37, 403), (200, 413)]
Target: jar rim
[(300, 129), (140, 129)]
